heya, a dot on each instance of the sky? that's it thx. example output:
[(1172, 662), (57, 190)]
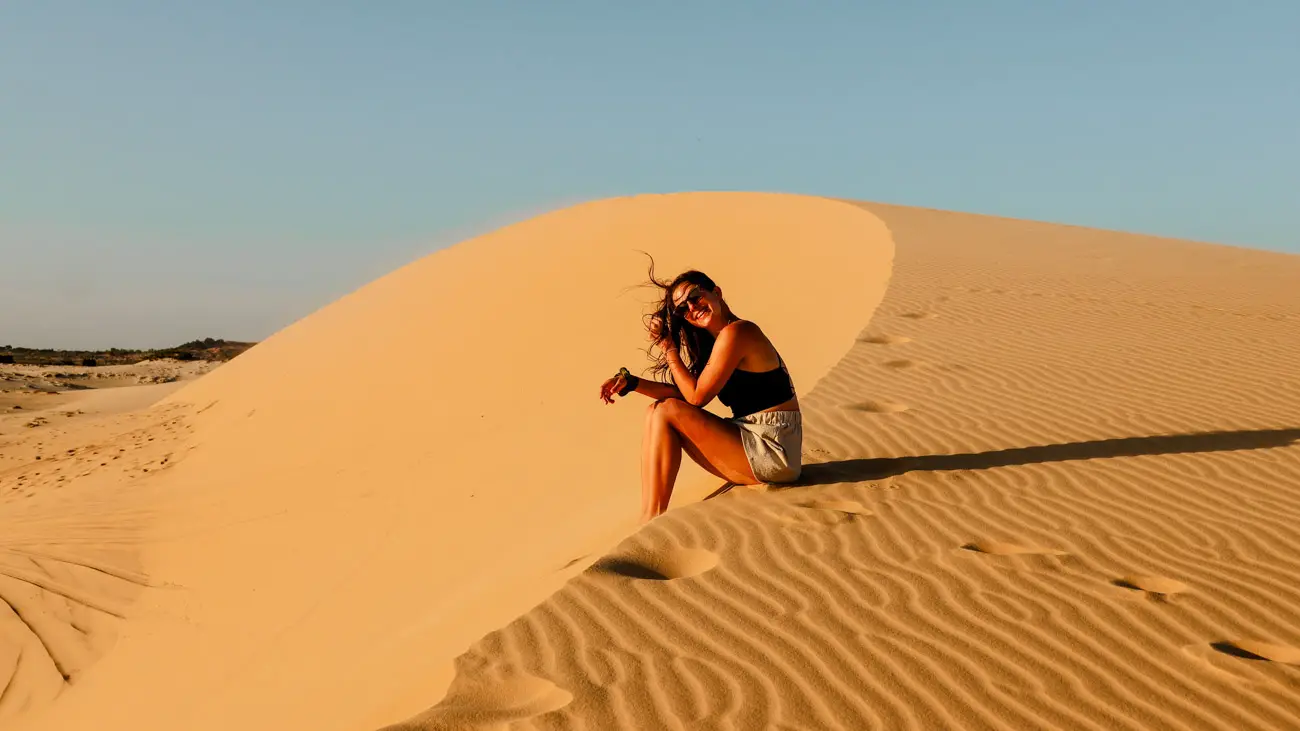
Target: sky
[(172, 171)]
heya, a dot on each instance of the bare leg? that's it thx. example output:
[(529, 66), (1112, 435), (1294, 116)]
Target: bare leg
[(674, 426), (661, 458), (648, 446)]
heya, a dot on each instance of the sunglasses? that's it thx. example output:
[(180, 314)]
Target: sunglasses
[(693, 297)]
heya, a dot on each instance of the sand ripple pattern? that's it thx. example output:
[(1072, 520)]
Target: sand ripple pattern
[(1072, 514), (69, 570)]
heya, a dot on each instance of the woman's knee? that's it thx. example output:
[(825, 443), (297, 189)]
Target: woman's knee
[(664, 409), (670, 408), (652, 412)]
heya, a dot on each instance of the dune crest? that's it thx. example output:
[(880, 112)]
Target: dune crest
[(1051, 481), (1084, 518), (338, 541)]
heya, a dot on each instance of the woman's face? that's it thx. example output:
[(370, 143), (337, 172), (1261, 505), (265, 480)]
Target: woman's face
[(696, 305)]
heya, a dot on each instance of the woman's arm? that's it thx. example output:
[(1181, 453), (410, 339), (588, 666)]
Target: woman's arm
[(657, 390), (682, 377), (726, 355), (654, 389)]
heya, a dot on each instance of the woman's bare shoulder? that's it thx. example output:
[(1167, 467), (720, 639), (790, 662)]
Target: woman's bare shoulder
[(749, 336), (744, 330)]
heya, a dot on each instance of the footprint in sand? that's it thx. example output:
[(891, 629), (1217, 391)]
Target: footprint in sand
[(899, 365), (484, 706), (1256, 650), (999, 548), (826, 512), (885, 339), (680, 563), (877, 407), (919, 315), (1156, 587), (821, 512), (573, 562), (846, 507)]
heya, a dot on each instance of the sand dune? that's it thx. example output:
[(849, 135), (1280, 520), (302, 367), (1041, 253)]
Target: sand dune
[(347, 543), (19, 379), (1055, 484), (72, 507), (1058, 489)]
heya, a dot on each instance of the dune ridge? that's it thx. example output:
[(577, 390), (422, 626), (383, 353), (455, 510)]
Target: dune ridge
[(331, 543), (1081, 516), (1053, 479)]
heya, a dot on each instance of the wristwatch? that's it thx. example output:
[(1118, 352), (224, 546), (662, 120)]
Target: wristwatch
[(629, 381)]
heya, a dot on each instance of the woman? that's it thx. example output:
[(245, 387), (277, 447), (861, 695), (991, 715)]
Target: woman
[(706, 350)]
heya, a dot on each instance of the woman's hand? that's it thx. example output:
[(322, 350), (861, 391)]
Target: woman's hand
[(611, 387), (658, 335)]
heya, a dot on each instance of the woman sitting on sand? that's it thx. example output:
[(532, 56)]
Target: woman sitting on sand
[(707, 351)]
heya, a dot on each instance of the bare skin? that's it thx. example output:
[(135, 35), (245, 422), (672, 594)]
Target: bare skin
[(676, 421)]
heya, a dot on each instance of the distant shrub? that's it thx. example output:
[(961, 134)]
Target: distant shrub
[(203, 344), (212, 349), (89, 362)]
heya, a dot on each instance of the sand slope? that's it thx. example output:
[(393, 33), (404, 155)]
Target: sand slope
[(1057, 486), (75, 473), (326, 546), (1060, 489)]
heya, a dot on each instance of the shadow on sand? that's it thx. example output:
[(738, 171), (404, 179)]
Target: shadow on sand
[(862, 470)]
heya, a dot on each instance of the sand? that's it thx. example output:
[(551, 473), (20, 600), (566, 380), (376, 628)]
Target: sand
[(69, 568), (1055, 484), (19, 379)]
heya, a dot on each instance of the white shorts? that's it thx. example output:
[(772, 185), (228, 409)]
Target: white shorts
[(773, 443)]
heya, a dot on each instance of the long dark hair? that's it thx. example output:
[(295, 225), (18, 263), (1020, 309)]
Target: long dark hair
[(694, 344)]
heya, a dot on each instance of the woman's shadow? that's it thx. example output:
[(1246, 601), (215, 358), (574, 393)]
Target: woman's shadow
[(863, 470)]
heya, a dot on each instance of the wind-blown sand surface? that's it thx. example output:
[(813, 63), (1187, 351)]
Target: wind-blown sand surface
[(69, 567), (1058, 485)]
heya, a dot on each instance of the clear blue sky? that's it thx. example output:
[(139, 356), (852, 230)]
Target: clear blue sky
[(177, 170)]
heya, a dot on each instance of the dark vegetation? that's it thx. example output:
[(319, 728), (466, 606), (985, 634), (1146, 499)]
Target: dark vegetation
[(205, 349)]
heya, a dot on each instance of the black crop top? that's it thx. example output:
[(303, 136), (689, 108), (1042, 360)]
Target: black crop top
[(748, 392)]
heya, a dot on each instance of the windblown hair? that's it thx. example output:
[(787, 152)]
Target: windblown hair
[(694, 344)]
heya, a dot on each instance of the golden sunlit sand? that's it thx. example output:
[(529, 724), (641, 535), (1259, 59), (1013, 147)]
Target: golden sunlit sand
[(1052, 481)]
